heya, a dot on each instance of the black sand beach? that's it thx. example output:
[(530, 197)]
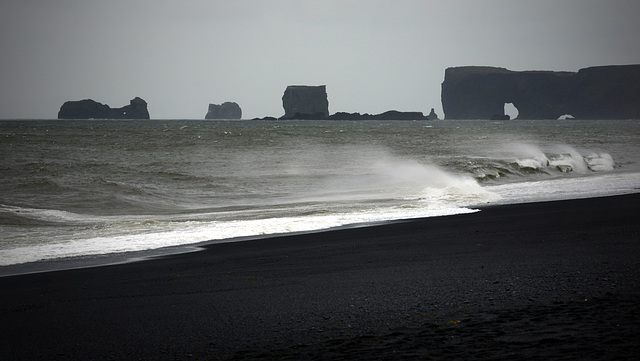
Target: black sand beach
[(554, 280)]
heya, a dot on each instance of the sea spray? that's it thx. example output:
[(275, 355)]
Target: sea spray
[(432, 185), (528, 157)]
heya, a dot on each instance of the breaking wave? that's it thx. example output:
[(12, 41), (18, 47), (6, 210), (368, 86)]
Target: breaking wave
[(525, 161)]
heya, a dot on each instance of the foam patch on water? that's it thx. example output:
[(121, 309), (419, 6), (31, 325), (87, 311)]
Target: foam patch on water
[(597, 185)]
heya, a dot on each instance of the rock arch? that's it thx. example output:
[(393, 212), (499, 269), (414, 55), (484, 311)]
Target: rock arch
[(606, 92), (511, 110)]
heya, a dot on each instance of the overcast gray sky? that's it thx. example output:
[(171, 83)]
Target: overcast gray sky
[(372, 55)]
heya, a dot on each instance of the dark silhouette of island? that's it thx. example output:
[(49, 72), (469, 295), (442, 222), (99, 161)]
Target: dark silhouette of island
[(90, 109), (388, 115), (603, 92), (226, 110)]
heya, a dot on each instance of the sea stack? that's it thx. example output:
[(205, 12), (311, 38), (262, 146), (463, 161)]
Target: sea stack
[(90, 109), (432, 115), (305, 102), (226, 110)]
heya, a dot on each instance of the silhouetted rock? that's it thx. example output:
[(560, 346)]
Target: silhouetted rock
[(604, 92), (305, 102), (432, 115), (83, 109), (388, 115), (137, 109), (226, 110), (350, 116), (90, 109)]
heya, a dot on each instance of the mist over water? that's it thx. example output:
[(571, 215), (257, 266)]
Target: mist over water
[(90, 187)]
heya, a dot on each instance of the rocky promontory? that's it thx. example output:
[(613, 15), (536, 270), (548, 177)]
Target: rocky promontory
[(226, 110), (603, 92), (90, 109)]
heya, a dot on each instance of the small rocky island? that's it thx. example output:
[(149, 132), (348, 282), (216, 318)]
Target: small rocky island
[(305, 102), (603, 92), (90, 109), (226, 110)]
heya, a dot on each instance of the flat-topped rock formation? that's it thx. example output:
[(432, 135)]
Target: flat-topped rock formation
[(603, 92), (226, 110), (90, 109), (305, 102)]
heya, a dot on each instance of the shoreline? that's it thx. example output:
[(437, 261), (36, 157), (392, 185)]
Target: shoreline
[(118, 258), (551, 280)]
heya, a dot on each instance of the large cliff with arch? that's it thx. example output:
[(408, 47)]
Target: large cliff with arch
[(604, 92)]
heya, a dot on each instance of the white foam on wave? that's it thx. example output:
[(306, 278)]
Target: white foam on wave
[(166, 234), (599, 162), (563, 158), (528, 156), (47, 215)]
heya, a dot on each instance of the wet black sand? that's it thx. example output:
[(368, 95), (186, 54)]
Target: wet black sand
[(554, 280)]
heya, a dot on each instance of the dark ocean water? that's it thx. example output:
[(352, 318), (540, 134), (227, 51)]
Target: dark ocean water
[(88, 187)]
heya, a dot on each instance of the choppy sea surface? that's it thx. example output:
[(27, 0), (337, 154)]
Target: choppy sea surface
[(93, 187)]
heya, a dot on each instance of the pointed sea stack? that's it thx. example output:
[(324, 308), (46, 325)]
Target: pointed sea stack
[(432, 115)]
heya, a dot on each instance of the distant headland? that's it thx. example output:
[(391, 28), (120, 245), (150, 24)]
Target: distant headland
[(603, 92)]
